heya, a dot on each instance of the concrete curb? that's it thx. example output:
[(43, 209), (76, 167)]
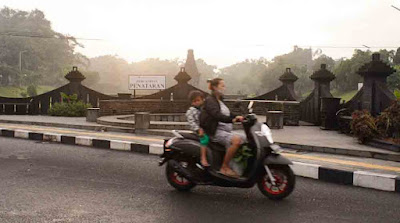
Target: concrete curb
[(167, 133), (365, 179)]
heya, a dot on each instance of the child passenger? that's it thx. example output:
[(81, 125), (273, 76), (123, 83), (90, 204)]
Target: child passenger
[(193, 117)]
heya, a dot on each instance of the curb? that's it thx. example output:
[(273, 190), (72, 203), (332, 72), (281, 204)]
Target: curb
[(385, 182), (167, 133), (341, 151)]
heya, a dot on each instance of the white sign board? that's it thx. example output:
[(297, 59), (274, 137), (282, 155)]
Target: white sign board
[(146, 82)]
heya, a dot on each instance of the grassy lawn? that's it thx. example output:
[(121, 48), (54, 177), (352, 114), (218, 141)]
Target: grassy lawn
[(15, 92), (345, 95)]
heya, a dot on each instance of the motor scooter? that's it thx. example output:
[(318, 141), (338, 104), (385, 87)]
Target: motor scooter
[(266, 167)]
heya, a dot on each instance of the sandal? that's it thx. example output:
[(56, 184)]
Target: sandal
[(205, 165), (229, 173)]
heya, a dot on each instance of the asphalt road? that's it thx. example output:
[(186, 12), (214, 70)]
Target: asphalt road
[(46, 182)]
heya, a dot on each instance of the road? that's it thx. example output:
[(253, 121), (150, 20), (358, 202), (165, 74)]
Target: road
[(46, 182)]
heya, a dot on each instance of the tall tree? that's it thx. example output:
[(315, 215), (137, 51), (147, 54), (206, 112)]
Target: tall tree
[(45, 53)]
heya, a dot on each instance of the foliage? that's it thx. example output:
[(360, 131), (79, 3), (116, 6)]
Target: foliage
[(242, 155), (393, 81), (42, 58), (396, 58), (12, 91), (237, 76), (397, 93), (31, 90), (363, 126), (70, 107), (388, 122)]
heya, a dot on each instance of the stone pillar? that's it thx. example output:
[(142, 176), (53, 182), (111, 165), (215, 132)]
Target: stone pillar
[(329, 107), (322, 79), (142, 122), (75, 78), (191, 68), (92, 114), (375, 94), (288, 78)]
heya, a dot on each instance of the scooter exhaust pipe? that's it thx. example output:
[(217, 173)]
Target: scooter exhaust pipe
[(181, 170)]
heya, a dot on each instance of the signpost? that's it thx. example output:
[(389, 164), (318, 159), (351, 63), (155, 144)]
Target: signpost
[(138, 82)]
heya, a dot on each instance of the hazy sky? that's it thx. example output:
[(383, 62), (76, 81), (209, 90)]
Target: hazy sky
[(221, 32)]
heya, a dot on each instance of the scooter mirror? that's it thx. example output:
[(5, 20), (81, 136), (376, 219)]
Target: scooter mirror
[(250, 105)]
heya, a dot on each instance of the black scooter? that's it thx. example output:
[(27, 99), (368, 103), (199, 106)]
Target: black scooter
[(266, 167)]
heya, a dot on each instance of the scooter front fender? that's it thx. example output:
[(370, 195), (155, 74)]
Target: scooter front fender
[(277, 159)]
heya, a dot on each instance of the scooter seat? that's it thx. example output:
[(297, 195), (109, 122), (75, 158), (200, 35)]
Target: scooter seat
[(191, 136), (216, 146)]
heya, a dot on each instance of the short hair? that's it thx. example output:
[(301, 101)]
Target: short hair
[(194, 94)]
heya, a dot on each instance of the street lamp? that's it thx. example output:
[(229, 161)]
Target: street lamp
[(20, 59)]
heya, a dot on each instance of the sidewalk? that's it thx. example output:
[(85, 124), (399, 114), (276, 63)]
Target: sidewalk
[(302, 138)]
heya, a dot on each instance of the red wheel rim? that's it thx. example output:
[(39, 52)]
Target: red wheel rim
[(178, 179), (280, 181)]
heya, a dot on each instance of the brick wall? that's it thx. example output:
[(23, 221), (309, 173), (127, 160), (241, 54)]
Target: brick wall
[(123, 107)]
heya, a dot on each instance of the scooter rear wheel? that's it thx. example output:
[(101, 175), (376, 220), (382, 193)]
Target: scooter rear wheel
[(176, 180), (284, 179)]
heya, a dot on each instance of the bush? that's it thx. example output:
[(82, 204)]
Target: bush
[(388, 123), (363, 126), (397, 93), (70, 107), (31, 90)]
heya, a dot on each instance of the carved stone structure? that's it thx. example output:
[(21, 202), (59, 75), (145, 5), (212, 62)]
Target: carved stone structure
[(374, 96), (284, 92), (191, 69), (41, 103), (311, 106), (179, 91)]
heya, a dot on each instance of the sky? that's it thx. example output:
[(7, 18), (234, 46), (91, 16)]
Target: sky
[(222, 32)]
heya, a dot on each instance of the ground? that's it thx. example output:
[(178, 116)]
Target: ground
[(12, 91), (45, 182)]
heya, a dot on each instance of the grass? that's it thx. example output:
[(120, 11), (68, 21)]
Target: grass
[(15, 92), (345, 95)]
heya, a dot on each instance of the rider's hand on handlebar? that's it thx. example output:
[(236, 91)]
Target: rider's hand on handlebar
[(238, 119)]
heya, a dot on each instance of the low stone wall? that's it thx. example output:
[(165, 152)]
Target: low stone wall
[(126, 107), (291, 109), (166, 117)]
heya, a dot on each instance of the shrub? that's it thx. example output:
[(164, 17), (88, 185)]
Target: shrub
[(31, 90), (397, 93), (363, 126), (388, 123), (70, 107)]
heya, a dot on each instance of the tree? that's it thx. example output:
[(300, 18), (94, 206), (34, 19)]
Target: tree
[(346, 71), (323, 59), (206, 72), (45, 52), (244, 77), (393, 80), (396, 59)]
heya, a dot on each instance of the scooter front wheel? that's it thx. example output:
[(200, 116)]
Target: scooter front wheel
[(176, 180), (284, 182)]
